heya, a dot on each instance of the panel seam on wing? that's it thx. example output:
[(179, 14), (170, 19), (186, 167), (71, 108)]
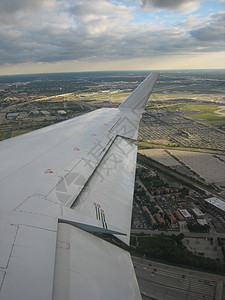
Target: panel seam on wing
[(92, 174)]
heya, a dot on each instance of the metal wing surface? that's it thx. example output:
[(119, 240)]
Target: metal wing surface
[(58, 185)]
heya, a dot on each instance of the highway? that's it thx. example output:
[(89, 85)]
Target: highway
[(164, 282), (188, 234)]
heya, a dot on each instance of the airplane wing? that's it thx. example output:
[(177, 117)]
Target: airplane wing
[(60, 184)]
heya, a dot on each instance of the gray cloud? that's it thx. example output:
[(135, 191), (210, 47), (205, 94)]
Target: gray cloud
[(12, 6), (214, 31), (184, 6), (105, 32), (22, 12)]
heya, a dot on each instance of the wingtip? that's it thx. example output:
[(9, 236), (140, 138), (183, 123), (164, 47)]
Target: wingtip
[(139, 97)]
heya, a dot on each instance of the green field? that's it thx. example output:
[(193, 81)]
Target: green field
[(197, 111), (205, 112)]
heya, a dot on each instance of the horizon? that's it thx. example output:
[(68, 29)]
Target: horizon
[(108, 71)]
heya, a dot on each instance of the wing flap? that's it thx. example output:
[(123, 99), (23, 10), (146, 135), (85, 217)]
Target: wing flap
[(108, 195), (88, 267)]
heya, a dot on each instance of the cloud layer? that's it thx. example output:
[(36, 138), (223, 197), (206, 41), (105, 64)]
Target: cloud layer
[(50, 31), (183, 6)]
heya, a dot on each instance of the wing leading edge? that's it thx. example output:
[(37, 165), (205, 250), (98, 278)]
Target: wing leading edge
[(80, 172)]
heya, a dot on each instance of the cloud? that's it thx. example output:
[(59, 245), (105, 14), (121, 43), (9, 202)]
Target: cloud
[(96, 17), (98, 31), (213, 31), (20, 11), (194, 21), (183, 6), (12, 6)]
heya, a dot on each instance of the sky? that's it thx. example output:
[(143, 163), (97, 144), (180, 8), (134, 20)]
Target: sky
[(47, 36)]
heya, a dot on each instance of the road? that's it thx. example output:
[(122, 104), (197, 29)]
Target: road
[(188, 234), (163, 282)]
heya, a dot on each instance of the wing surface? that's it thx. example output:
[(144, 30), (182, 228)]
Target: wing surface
[(78, 172)]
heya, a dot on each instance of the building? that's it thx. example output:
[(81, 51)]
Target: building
[(198, 213), (202, 222), (45, 112), (160, 219), (216, 204), (179, 216), (62, 112), (171, 216), (12, 115), (182, 224), (144, 208), (185, 214)]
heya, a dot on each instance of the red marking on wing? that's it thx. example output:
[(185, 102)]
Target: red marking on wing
[(48, 171)]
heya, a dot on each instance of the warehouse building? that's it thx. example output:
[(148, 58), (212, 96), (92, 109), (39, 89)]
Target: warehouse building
[(198, 213), (216, 204), (185, 214)]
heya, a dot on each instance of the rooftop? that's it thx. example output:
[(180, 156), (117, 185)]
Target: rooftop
[(202, 222), (185, 213), (216, 202), (197, 212)]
